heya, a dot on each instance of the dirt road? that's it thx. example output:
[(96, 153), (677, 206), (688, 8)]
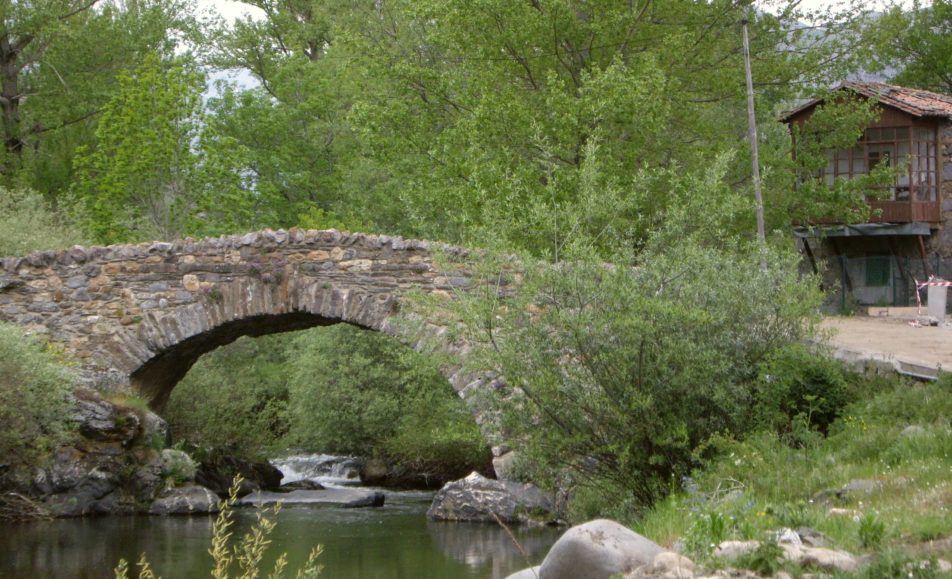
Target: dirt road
[(893, 339)]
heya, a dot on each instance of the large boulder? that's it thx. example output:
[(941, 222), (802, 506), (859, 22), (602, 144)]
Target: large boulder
[(186, 500), (477, 498), (598, 549), (217, 471)]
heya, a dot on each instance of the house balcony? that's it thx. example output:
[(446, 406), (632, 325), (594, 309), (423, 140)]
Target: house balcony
[(905, 211)]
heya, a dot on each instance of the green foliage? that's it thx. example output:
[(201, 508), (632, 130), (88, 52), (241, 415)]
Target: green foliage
[(894, 563), (28, 223), (777, 485), (334, 390), (235, 397), (707, 531), (917, 39), (463, 121), (137, 181), (62, 68), (621, 372), (356, 392), (34, 390), (800, 386), (835, 125)]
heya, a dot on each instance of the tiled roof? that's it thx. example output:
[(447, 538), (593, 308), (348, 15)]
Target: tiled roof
[(917, 102)]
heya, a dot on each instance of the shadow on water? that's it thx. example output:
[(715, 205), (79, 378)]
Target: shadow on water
[(395, 541)]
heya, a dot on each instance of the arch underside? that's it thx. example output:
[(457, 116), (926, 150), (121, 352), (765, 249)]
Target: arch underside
[(156, 378)]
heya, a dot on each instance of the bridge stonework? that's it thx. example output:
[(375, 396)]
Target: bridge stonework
[(142, 314)]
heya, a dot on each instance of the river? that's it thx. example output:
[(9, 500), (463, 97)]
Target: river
[(394, 541)]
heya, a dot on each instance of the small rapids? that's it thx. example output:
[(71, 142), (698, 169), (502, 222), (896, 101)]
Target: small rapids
[(324, 468)]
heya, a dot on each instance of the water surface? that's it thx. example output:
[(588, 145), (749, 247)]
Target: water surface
[(395, 541)]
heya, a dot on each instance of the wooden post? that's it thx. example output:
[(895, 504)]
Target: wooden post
[(754, 153)]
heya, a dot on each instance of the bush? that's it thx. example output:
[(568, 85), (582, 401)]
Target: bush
[(798, 385), (34, 388), (621, 373), (27, 223)]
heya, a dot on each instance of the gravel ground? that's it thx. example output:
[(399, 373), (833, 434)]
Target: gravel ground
[(893, 338)]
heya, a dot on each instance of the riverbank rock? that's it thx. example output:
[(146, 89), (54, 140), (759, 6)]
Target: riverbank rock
[(598, 549), (817, 557), (217, 471), (852, 490), (113, 467), (187, 500), (101, 420), (477, 498)]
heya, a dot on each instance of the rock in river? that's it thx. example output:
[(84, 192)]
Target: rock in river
[(187, 500), (477, 498)]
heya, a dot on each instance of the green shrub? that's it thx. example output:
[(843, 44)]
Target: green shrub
[(34, 389), (27, 223), (621, 374), (799, 388)]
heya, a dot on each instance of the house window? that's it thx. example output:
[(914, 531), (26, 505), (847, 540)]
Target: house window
[(877, 271), (911, 147)]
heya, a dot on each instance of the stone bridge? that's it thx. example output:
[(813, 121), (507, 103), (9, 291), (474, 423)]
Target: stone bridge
[(142, 314)]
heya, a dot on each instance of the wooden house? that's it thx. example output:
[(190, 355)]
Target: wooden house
[(909, 236)]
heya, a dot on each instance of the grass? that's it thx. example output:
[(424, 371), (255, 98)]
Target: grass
[(762, 484)]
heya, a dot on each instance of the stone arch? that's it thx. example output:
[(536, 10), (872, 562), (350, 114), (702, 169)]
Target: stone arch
[(141, 315)]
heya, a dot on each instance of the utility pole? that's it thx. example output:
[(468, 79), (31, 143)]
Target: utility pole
[(754, 154)]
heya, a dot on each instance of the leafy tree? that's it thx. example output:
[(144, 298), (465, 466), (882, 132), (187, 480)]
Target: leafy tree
[(917, 41), (134, 184), (157, 171), (806, 197), (618, 373), (59, 61), (478, 113), (293, 126)]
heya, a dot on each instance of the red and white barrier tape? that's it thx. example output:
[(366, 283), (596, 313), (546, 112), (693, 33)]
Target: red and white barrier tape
[(932, 282)]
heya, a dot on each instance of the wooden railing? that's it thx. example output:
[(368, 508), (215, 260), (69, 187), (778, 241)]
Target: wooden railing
[(905, 211)]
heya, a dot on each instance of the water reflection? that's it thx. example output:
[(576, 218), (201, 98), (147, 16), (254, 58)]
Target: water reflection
[(488, 549), (395, 541)]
